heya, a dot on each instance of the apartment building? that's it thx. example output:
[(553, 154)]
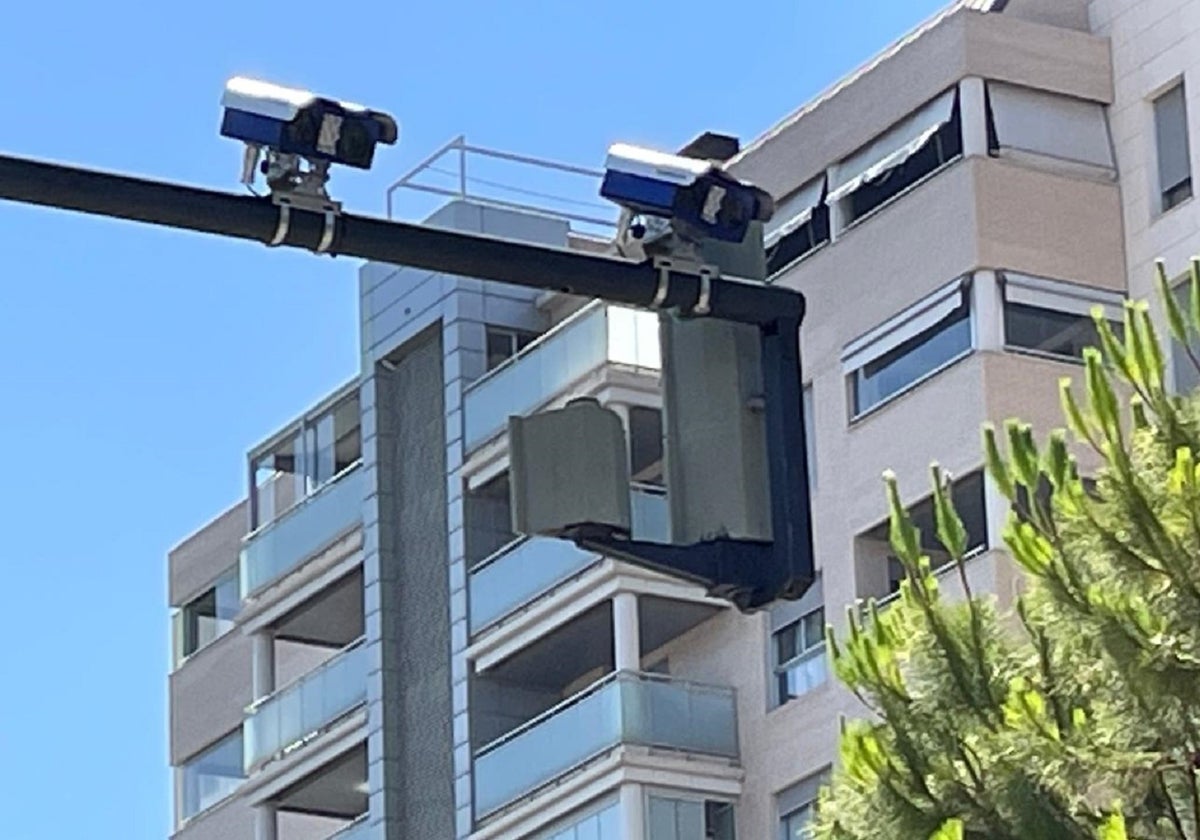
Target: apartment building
[(364, 649)]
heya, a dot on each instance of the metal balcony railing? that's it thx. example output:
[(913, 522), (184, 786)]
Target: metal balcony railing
[(625, 707)]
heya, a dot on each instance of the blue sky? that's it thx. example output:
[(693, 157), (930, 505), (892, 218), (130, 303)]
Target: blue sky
[(137, 364)]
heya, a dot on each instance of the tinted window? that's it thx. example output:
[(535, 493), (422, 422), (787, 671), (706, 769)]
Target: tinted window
[(919, 356), (799, 242), (942, 147), (1173, 147), (1050, 331)]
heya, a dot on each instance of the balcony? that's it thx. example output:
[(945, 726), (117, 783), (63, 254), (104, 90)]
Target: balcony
[(292, 716), (526, 569), (596, 336), (623, 708), (311, 525)]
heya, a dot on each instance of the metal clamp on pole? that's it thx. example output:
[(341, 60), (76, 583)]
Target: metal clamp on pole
[(286, 201), (707, 274)]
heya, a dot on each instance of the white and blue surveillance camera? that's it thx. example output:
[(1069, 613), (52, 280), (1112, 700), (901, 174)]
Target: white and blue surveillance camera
[(698, 197), (297, 122)]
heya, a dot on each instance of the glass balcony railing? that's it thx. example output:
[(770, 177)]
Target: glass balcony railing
[(524, 570), (521, 572), (649, 514), (294, 714), (597, 335), (624, 708), (282, 545), (357, 830)]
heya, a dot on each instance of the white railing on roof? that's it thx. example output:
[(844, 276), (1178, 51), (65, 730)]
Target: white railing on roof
[(483, 176)]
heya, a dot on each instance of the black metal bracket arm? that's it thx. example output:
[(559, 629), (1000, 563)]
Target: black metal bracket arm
[(727, 568), (749, 573)]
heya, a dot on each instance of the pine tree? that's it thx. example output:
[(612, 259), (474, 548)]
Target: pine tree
[(1077, 715)]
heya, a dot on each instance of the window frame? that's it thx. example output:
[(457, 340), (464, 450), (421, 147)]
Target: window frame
[(1180, 361), (939, 311), (844, 197), (184, 623), (1006, 101), (806, 650), (1161, 190), (1073, 300), (518, 339), (802, 217), (802, 795)]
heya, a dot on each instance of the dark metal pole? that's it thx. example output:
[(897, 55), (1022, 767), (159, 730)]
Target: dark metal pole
[(787, 455), (381, 240), (749, 572)]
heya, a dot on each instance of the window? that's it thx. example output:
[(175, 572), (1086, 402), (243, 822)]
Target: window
[(799, 653), (487, 518), (503, 344), (1174, 153), (206, 618), (797, 824), (911, 347), (1049, 129), (689, 819), (300, 463), (1184, 373), (879, 573), (899, 158), (797, 806), (212, 775), (602, 824), (1052, 318), (645, 445), (798, 227)]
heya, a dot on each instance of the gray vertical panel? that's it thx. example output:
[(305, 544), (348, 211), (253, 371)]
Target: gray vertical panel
[(716, 450), (414, 595)]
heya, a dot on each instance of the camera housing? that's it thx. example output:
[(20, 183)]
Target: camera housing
[(288, 121), (699, 198)]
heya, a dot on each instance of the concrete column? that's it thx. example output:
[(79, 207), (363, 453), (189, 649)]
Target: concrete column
[(265, 825), (263, 664), (973, 108), (626, 633), (987, 308), (633, 812)]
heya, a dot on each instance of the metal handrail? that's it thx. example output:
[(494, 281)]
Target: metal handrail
[(463, 149)]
